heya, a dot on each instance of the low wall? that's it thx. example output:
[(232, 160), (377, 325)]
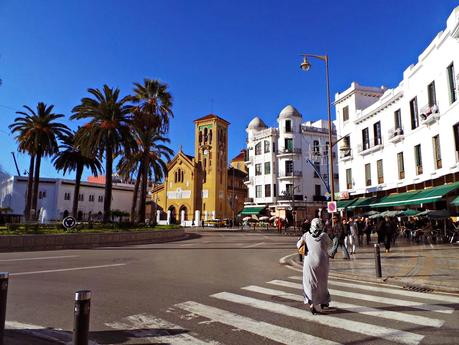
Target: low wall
[(13, 243)]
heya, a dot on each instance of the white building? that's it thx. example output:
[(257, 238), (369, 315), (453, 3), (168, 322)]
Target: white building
[(55, 197), (280, 161), (405, 138)]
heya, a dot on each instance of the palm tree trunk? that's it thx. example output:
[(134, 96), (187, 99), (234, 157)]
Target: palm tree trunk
[(76, 192), (108, 182), (36, 182), (29, 188), (143, 192), (135, 195)]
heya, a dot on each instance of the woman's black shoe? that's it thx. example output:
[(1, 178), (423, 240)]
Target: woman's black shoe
[(323, 306), (313, 310)]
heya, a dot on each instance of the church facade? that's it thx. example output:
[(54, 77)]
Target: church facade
[(200, 187)]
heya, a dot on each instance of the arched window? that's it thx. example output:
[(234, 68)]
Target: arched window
[(205, 163), (210, 136), (205, 134), (175, 176), (258, 149), (182, 174), (200, 136)]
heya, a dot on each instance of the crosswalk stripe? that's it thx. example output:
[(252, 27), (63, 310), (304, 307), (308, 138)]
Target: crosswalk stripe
[(390, 334), (440, 298), (386, 314), (371, 298), (152, 329), (280, 334)]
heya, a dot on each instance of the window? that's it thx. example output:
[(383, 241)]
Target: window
[(66, 196), (316, 169), (377, 133), (367, 174), (418, 159), (288, 126), (258, 191), (431, 94), (379, 171), (349, 178), (451, 83), (456, 139), (267, 168), (317, 190), (267, 190), (81, 197), (288, 144), (288, 167), (397, 119), (289, 189), (40, 195), (274, 147), (326, 149), (258, 149), (365, 139), (274, 190), (401, 166), (437, 151), (266, 145), (91, 198), (316, 148), (346, 113), (257, 169), (414, 113), (100, 198)]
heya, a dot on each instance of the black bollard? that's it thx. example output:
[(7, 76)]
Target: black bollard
[(3, 295), (81, 317), (378, 261)]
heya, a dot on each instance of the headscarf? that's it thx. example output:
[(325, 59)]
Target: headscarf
[(316, 227)]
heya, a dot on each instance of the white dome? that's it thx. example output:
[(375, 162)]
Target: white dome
[(256, 124), (289, 112)]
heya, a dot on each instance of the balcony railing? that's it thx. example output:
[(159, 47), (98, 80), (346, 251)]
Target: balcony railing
[(372, 146), (248, 200), (429, 113), (396, 134), (325, 176), (289, 197), (345, 152), (401, 175), (419, 169), (380, 179), (284, 150), (295, 173)]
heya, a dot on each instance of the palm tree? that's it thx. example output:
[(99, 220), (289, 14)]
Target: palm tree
[(147, 160), (153, 98), (37, 133), (70, 158), (107, 133)]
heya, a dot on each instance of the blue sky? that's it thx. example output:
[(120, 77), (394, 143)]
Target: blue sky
[(237, 59)]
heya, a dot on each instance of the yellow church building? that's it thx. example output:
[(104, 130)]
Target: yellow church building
[(201, 188)]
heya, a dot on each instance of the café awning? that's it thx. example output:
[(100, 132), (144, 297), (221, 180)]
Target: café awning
[(254, 210)]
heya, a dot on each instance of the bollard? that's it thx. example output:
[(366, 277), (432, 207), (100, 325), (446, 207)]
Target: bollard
[(378, 261), (81, 317), (3, 294)]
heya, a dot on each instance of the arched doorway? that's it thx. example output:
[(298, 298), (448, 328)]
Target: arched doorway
[(80, 215), (183, 217), (173, 218), (66, 214)]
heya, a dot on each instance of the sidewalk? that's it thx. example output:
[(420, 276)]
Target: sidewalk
[(414, 266), (17, 337)]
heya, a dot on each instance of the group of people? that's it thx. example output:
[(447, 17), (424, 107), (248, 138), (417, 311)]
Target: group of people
[(321, 242)]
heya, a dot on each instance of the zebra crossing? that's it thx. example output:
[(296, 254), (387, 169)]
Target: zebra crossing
[(366, 313)]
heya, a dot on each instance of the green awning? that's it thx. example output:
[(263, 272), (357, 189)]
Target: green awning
[(340, 204), (362, 202), (248, 211), (455, 202), (396, 199), (433, 194)]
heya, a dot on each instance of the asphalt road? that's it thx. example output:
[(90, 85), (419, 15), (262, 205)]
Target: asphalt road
[(219, 288)]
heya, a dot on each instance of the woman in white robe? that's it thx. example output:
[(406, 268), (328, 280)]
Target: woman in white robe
[(315, 266)]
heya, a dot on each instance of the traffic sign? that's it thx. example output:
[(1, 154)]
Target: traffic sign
[(331, 206), (69, 222)]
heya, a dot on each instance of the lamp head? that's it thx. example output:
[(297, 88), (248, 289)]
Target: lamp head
[(305, 65)]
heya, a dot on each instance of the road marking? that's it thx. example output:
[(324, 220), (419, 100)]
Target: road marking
[(40, 258), (371, 298), (280, 334), (254, 245), (156, 330), (401, 292), (386, 314), (65, 269), (390, 334)]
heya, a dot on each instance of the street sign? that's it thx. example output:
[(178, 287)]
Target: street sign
[(69, 222), (331, 206)]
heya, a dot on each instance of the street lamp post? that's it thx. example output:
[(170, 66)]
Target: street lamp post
[(305, 66)]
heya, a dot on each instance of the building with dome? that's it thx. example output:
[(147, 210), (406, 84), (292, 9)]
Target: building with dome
[(287, 165)]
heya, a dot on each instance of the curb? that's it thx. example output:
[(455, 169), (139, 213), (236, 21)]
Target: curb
[(289, 260)]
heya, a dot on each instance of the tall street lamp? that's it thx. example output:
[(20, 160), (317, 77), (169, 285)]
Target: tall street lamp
[(305, 66)]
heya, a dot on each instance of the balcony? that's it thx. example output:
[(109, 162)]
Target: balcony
[(248, 160), (248, 180), (325, 176), (248, 200), (429, 114), (288, 151), (290, 174), (289, 198), (370, 147), (318, 198), (396, 134), (345, 153)]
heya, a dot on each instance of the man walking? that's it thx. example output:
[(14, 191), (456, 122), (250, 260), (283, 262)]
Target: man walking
[(338, 233)]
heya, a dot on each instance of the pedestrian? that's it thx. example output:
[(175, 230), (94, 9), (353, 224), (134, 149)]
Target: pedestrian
[(353, 235), (361, 226), (315, 266), (368, 227), (380, 230), (389, 232), (304, 229), (338, 236)]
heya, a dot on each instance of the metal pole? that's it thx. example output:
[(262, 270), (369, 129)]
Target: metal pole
[(16, 164), (81, 317), (232, 204), (3, 294), (378, 261), (293, 188)]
